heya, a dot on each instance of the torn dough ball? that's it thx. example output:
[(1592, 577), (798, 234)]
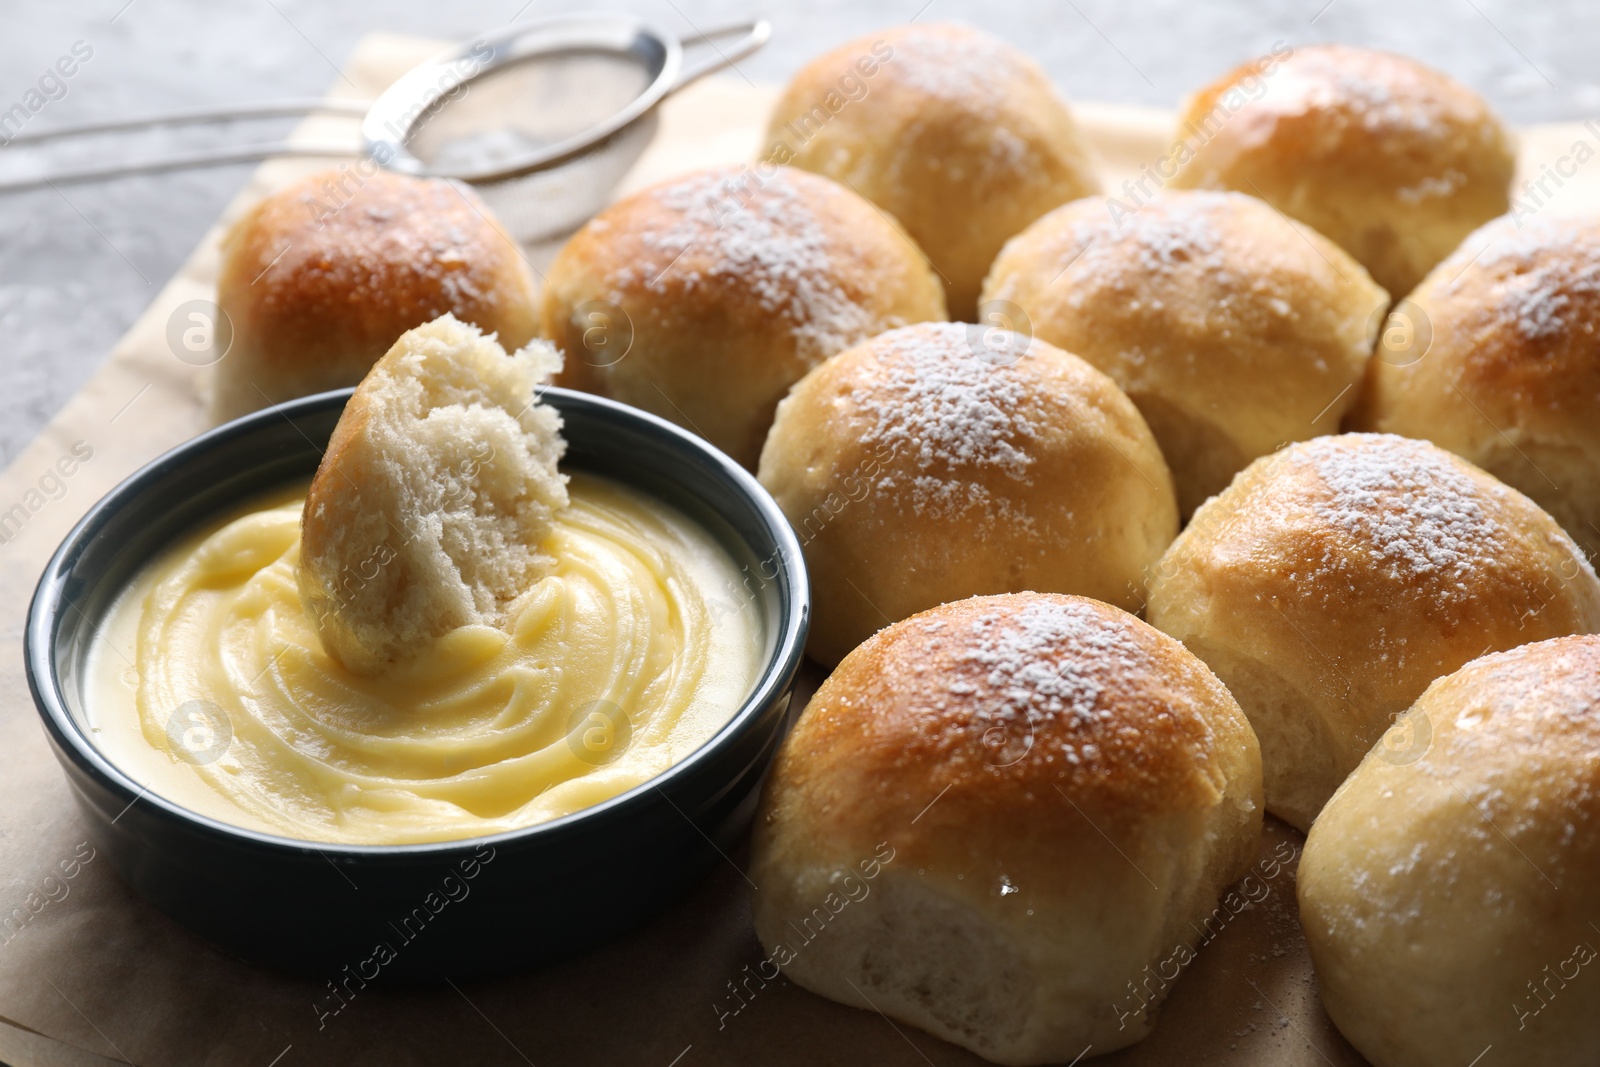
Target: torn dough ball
[(437, 489)]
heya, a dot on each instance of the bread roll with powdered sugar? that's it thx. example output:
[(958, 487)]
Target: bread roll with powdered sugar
[(945, 460), (957, 134), (704, 298), (1448, 897), (1232, 328), (1061, 793), (1333, 581), (1392, 160)]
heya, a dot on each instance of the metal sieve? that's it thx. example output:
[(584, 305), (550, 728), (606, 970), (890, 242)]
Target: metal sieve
[(543, 119)]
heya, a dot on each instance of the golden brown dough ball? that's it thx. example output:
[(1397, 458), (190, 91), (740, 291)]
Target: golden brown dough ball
[(1496, 357), (1395, 161), (995, 815), (944, 461), (1333, 581), (1448, 891), (958, 135), (1232, 328), (321, 277), (704, 298)]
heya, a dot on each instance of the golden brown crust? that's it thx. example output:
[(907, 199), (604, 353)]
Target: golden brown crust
[(945, 698), (1501, 365), (956, 134), (320, 278), (1233, 329), (723, 288), (922, 467), (1043, 775), (1392, 160), (1333, 581), (1447, 889)]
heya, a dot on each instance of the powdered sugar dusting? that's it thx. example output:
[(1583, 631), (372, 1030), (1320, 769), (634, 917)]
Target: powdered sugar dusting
[(1381, 92), (1052, 677), (955, 64), (1546, 274), (1537, 307), (1533, 698), (1419, 514), (954, 414), (1052, 659), (1176, 231), (962, 70), (1168, 234), (759, 232)]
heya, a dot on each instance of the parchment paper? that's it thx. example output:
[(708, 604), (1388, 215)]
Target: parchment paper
[(97, 977)]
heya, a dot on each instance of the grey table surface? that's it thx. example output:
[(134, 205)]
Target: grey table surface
[(78, 263)]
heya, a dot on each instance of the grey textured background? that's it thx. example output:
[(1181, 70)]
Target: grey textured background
[(77, 266)]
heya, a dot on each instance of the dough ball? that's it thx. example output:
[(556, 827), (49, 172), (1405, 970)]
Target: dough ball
[(1232, 328), (430, 506), (1448, 889), (319, 279), (1393, 160), (1332, 582), (944, 461), (957, 134), (703, 299), (996, 814)]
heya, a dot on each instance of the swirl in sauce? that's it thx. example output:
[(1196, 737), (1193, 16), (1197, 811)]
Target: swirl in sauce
[(611, 668)]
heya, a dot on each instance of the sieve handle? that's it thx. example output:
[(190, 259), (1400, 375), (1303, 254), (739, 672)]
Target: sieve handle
[(211, 157), (195, 116), (751, 34)]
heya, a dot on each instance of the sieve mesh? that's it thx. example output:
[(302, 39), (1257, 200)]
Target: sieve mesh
[(535, 207), (503, 115), (528, 104)]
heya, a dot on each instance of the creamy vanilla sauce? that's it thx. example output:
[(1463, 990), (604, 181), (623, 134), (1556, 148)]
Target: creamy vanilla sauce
[(208, 683)]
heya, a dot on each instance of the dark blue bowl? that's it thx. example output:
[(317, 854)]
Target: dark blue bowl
[(458, 908)]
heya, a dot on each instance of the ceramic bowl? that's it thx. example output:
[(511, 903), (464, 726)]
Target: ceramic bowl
[(455, 908)]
